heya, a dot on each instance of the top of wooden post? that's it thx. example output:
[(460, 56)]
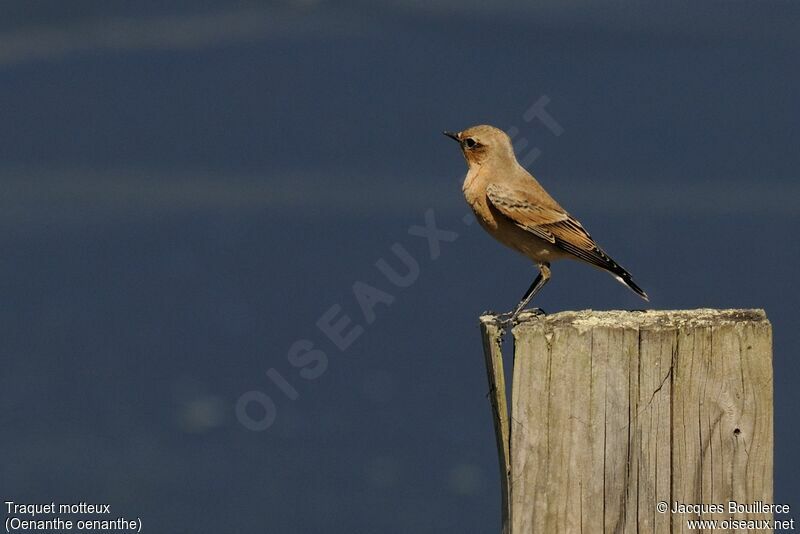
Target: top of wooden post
[(615, 412), (638, 319)]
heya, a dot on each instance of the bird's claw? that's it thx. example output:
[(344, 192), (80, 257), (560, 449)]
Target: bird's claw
[(500, 319), (510, 319)]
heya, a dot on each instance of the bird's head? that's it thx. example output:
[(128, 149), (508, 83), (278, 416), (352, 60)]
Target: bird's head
[(483, 143)]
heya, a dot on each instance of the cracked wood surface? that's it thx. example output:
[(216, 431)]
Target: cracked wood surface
[(612, 412)]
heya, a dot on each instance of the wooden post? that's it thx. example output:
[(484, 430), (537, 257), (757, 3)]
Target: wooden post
[(492, 339), (615, 412)]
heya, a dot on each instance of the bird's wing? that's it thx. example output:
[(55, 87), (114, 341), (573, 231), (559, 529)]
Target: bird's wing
[(556, 226), (551, 224)]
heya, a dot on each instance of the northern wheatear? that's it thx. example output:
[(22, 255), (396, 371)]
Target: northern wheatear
[(511, 205)]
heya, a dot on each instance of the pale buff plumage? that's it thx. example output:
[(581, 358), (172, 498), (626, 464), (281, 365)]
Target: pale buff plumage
[(516, 210)]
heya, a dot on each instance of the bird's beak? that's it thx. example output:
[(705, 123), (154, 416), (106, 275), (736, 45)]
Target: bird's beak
[(452, 135)]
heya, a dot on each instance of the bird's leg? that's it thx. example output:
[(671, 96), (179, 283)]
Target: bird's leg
[(538, 283)]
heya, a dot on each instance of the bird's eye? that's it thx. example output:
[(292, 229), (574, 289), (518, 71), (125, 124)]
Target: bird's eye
[(470, 142)]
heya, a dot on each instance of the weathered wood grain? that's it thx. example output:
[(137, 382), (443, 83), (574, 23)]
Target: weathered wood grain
[(612, 412), (492, 338)]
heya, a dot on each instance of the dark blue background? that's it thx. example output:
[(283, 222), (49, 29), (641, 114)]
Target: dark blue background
[(184, 191)]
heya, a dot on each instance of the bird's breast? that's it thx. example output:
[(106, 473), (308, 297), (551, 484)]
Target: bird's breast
[(475, 194), (502, 228)]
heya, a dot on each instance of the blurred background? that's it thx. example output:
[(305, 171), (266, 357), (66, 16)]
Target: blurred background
[(186, 189)]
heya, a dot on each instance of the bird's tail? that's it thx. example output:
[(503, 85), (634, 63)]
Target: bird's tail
[(625, 278), (597, 257)]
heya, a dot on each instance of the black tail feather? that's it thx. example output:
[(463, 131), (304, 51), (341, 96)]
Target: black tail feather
[(624, 277)]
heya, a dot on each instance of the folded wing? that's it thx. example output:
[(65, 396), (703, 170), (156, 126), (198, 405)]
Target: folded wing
[(556, 226)]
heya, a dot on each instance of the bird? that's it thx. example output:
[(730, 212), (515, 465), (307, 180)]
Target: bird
[(516, 210)]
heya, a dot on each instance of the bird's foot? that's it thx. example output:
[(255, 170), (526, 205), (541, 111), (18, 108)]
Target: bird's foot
[(510, 319), (501, 319)]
